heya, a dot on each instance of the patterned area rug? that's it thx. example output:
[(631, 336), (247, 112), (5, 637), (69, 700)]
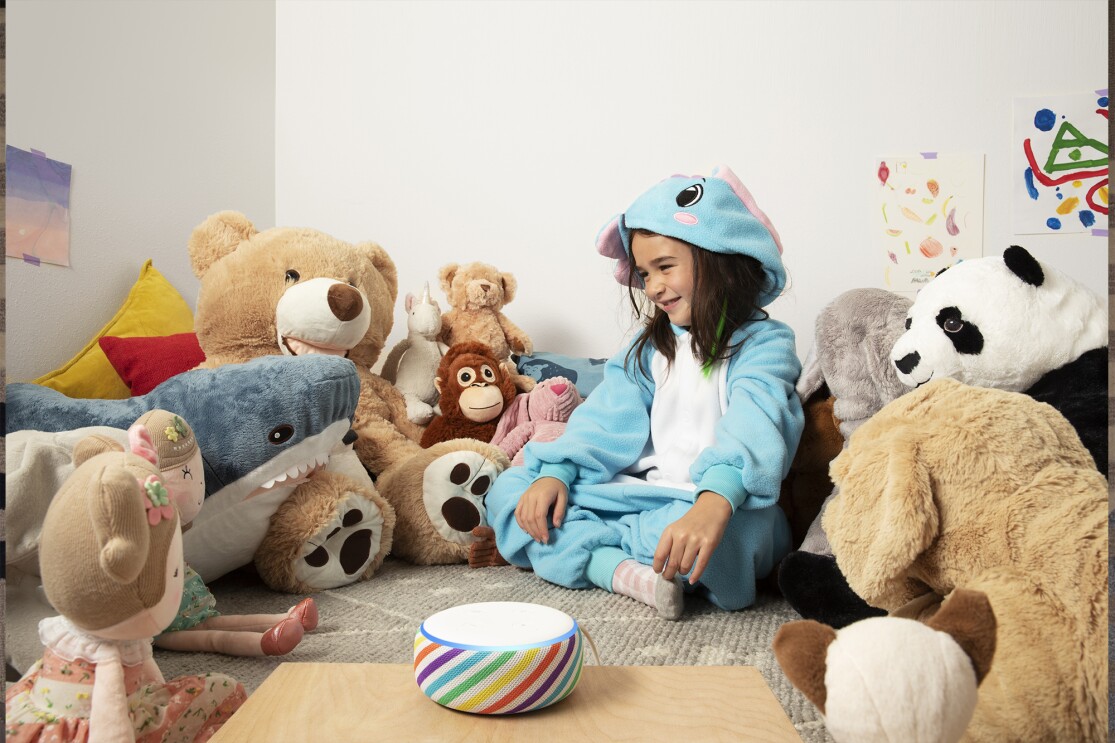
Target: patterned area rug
[(375, 622)]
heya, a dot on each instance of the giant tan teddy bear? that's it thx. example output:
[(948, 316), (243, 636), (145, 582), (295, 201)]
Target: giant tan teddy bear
[(297, 291), (952, 486)]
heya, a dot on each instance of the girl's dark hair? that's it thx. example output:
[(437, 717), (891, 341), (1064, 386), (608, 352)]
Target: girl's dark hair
[(724, 284)]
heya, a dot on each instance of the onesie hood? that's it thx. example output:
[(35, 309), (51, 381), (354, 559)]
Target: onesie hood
[(716, 213)]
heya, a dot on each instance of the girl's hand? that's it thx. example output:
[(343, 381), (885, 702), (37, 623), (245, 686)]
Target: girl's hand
[(534, 507), (687, 544)]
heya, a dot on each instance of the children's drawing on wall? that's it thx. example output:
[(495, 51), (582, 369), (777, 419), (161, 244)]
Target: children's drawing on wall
[(1060, 163), (37, 218), (929, 215)]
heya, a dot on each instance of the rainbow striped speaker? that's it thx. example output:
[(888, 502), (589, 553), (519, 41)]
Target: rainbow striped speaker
[(498, 658)]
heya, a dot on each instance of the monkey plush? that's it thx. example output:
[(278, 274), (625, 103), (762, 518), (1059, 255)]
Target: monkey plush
[(475, 389)]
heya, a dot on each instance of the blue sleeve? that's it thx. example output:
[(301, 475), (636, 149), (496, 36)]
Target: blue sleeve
[(758, 435), (605, 434)]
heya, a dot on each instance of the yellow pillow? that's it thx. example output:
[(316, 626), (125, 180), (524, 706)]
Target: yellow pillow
[(153, 307)]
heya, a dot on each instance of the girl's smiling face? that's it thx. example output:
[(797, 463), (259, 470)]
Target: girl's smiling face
[(665, 265)]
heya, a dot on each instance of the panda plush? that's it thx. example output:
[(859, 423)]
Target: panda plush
[(1007, 322), (1015, 324)]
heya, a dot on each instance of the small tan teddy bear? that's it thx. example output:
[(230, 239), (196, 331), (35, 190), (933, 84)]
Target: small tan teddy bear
[(477, 292)]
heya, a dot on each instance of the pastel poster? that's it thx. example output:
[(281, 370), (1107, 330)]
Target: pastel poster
[(37, 204), (1060, 164), (928, 215)]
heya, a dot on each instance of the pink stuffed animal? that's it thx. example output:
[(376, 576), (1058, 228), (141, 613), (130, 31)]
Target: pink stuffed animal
[(538, 415)]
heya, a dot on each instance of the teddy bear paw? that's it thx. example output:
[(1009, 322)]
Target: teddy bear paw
[(344, 547), (453, 490)]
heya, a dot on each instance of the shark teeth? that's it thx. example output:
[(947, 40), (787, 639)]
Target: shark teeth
[(296, 474)]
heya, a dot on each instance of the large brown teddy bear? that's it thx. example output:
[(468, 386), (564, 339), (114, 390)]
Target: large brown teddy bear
[(296, 291), (952, 486)]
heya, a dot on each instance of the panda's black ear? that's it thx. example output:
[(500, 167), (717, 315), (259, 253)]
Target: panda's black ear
[(1023, 265)]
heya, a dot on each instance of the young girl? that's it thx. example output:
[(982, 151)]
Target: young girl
[(671, 468)]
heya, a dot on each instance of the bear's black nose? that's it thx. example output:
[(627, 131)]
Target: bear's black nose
[(908, 363)]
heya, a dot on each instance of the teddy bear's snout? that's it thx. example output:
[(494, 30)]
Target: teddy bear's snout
[(480, 292), (345, 302)]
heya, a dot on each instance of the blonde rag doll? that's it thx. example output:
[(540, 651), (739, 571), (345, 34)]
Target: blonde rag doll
[(112, 566)]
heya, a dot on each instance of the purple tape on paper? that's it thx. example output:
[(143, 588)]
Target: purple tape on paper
[(929, 155), (1099, 233), (31, 259), (1102, 92), (40, 153)]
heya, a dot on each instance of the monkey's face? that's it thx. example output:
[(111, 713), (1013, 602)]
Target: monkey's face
[(479, 383)]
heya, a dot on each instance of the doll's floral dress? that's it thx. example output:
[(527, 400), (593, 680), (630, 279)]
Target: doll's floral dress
[(52, 702)]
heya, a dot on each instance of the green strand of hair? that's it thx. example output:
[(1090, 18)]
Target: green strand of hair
[(706, 369)]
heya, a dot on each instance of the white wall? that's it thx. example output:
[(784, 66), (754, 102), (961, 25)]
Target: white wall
[(166, 112), (510, 132)]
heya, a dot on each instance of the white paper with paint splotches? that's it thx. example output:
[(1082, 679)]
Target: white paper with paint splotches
[(928, 215), (1059, 166)]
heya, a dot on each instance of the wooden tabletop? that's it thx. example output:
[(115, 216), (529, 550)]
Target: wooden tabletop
[(302, 702)]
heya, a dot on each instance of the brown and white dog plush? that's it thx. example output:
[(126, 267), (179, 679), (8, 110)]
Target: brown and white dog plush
[(894, 680), (958, 487)]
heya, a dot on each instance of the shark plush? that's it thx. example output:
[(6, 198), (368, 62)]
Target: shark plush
[(263, 428)]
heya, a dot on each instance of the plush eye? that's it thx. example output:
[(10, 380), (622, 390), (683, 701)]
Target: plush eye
[(465, 377), (907, 323), (292, 276), (186, 474), (487, 373), (952, 325), (691, 195), (280, 434)]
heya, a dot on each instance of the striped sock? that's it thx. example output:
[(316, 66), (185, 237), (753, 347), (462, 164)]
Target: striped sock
[(641, 583)]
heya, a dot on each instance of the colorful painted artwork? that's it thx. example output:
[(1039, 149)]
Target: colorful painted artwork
[(37, 218), (929, 215), (1060, 163)]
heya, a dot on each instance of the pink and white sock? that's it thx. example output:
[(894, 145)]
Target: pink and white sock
[(641, 583)]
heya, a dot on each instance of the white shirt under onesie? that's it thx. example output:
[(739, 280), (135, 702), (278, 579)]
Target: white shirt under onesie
[(683, 416)]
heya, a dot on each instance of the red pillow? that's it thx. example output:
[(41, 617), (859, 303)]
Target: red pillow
[(145, 363)]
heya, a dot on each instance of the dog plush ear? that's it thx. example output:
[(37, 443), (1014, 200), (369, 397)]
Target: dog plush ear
[(801, 648), (968, 618), (884, 516)]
